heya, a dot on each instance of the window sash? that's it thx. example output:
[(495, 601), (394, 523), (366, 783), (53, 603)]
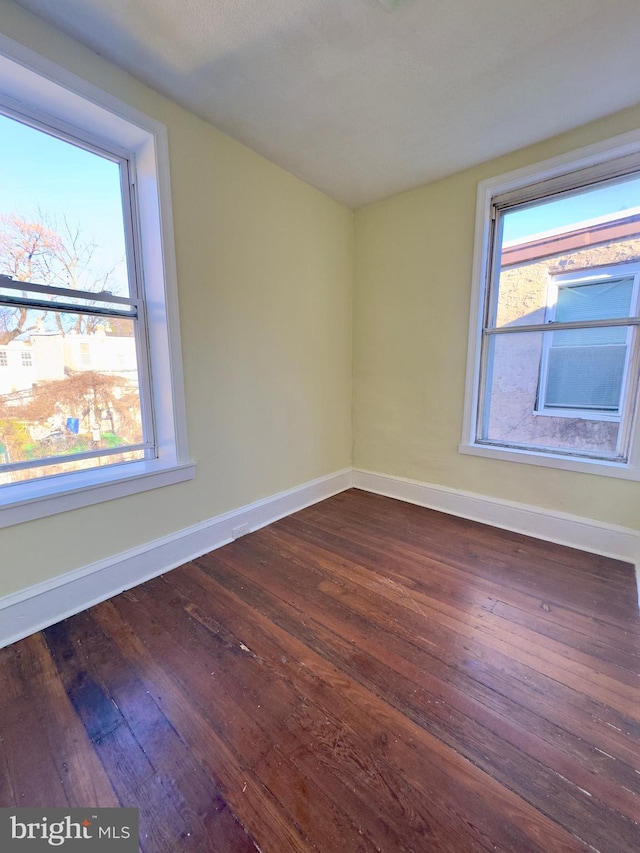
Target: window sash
[(147, 445), (66, 296), (69, 307), (490, 328), (67, 458), (623, 416), (566, 181), (61, 459), (552, 325)]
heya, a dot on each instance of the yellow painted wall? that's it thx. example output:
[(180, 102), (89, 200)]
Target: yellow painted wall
[(266, 284), (265, 267), (411, 319)]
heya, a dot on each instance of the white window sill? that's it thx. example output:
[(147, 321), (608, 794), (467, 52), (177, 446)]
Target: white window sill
[(50, 495), (576, 414), (600, 467)]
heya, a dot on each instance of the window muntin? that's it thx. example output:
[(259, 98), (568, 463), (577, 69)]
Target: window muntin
[(526, 336), (73, 307)]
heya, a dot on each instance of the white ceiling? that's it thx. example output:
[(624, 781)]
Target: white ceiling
[(364, 101)]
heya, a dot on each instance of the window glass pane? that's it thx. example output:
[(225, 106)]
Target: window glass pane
[(582, 231), (588, 377), (522, 295), (553, 215), (64, 393), (594, 301), (61, 214), (508, 410)]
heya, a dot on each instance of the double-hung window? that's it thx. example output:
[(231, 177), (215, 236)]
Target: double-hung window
[(91, 400), (68, 301), (554, 347)]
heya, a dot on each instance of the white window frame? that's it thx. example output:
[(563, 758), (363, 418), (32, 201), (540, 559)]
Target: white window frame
[(46, 93), (592, 275), (608, 159)]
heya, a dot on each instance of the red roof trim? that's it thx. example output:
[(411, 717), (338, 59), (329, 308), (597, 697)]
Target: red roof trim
[(569, 241)]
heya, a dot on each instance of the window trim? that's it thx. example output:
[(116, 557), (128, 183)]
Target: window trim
[(557, 174), (33, 86)]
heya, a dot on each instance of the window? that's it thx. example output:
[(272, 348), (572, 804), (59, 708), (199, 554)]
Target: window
[(87, 297), (583, 370), (85, 355), (554, 351)]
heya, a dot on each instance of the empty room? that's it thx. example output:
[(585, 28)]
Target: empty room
[(320, 426)]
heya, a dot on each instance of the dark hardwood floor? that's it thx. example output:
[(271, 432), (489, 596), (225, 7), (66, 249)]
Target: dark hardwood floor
[(365, 675)]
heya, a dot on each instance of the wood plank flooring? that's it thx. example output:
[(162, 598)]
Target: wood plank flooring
[(365, 675)]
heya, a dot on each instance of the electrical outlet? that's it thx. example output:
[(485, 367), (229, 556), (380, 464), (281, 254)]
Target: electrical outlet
[(240, 530)]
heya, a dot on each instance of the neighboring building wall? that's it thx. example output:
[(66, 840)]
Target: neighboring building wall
[(41, 414), (48, 357), (101, 352)]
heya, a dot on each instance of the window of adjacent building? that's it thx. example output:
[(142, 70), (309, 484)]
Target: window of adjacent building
[(584, 371), (555, 352), (85, 355), (85, 248)]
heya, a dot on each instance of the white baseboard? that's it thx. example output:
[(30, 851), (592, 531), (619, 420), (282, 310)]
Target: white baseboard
[(28, 611), (32, 609), (622, 543)]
